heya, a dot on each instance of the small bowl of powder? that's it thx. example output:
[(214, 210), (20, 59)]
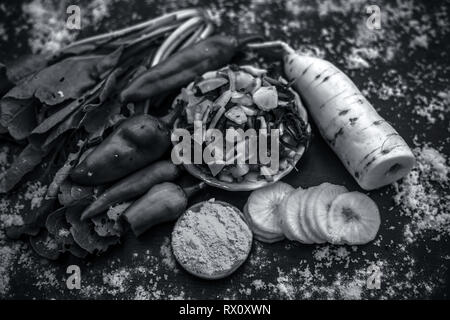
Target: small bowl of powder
[(211, 239)]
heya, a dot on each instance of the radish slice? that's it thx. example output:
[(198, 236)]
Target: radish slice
[(263, 207), (353, 219), (328, 193)]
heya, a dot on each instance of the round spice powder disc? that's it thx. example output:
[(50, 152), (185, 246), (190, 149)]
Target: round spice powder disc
[(211, 239)]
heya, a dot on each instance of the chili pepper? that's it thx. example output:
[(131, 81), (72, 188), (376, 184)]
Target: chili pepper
[(181, 68), (137, 142), (133, 186), (163, 203)]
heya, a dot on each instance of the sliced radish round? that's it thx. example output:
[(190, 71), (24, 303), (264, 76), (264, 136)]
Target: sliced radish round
[(353, 219), (290, 216), (306, 230), (263, 207), (322, 206), (310, 212)]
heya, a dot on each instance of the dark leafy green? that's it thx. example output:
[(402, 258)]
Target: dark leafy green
[(72, 122), (102, 117), (5, 83), (78, 50), (64, 80), (59, 116), (63, 173), (84, 234), (15, 232), (110, 84), (45, 245), (53, 103), (59, 228), (71, 194), (18, 116), (27, 160), (67, 80), (25, 66), (57, 225), (110, 223), (33, 219)]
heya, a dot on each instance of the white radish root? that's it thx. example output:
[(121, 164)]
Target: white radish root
[(368, 146)]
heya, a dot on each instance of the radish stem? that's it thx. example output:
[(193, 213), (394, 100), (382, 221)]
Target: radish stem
[(207, 31), (153, 23), (168, 45), (272, 44), (190, 191), (193, 38), (190, 29), (154, 34)]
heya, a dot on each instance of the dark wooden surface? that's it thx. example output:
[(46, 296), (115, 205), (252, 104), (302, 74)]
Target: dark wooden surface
[(273, 263)]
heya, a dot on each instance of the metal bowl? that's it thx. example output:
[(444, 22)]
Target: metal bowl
[(250, 185)]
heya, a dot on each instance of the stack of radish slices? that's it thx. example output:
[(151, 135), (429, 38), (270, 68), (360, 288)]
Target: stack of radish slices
[(324, 213)]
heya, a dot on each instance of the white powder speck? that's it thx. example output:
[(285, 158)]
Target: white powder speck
[(117, 280), (168, 258), (35, 193), (48, 22), (419, 198)]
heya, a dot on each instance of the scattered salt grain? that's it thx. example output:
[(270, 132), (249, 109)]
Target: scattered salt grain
[(168, 258), (117, 280), (9, 220), (9, 216), (49, 32), (47, 19), (47, 279), (419, 41), (359, 57), (328, 255), (63, 233), (4, 153), (432, 109), (7, 256), (141, 294), (355, 61), (99, 10), (258, 284), (284, 287), (35, 193), (419, 198)]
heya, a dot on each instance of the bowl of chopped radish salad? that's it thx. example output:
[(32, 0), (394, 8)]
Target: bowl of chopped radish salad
[(239, 128)]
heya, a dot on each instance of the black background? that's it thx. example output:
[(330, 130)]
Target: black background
[(318, 165)]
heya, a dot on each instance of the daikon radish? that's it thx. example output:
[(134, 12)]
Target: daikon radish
[(369, 147)]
